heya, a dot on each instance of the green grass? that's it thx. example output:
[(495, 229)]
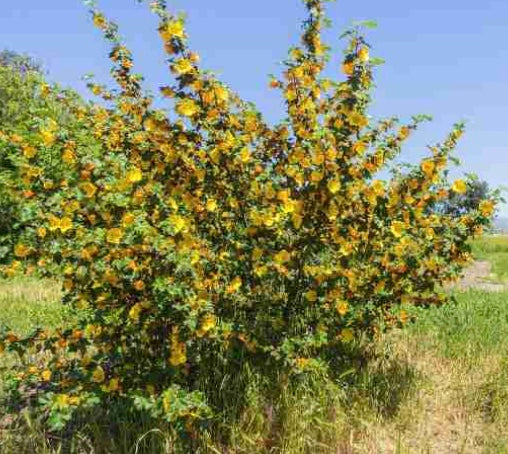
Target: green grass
[(494, 249), (439, 385), (26, 303)]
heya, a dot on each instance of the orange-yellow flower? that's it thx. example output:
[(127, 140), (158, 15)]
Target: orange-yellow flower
[(348, 68), (21, 250), (487, 207), (235, 285), (172, 29), (342, 307), (334, 186), (114, 235), (187, 108), (98, 375), (459, 186), (397, 228), (363, 54), (134, 175)]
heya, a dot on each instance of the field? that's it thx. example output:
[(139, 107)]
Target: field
[(440, 385)]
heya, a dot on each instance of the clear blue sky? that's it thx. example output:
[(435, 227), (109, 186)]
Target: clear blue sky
[(448, 58)]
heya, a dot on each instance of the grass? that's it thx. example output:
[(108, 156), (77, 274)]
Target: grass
[(439, 385), (493, 249)]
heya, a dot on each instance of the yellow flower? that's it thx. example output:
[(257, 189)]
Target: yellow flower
[(378, 187), (128, 219), (42, 232), (311, 296), (348, 68), (139, 285), (65, 224), (316, 176), (428, 167), (62, 400), (187, 108), (48, 137), (183, 66), (257, 253), (245, 155), (211, 205), (98, 375), (135, 311), (487, 207), (46, 375), (363, 54), (235, 285), (29, 151), (135, 175), (347, 335), (179, 223), (20, 250), (89, 189), (207, 323), (54, 223), (282, 256), (114, 236), (99, 21), (172, 29), (178, 353), (334, 186), (342, 307), (459, 186), (397, 228)]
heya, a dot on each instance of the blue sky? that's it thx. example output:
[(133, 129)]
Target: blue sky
[(447, 58)]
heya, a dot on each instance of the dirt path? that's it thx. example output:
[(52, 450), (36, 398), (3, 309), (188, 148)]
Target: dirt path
[(477, 277)]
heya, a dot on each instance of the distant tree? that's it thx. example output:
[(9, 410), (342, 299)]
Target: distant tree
[(457, 204), (21, 62)]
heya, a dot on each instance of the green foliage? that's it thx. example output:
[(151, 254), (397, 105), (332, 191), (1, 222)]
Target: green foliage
[(26, 103)]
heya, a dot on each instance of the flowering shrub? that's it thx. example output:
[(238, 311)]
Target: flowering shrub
[(31, 114), (205, 235)]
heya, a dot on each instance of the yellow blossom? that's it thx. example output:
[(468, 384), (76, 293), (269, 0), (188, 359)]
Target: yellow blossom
[(183, 66), (235, 285), (311, 295), (114, 235), (348, 68), (334, 186), (98, 375), (89, 189), (397, 228), (347, 335), (487, 207), (363, 54), (21, 250), (187, 108), (134, 175), (172, 29), (282, 256), (46, 375), (342, 307), (211, 205), (459, 186)]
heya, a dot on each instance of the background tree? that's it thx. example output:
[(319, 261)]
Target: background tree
[(26, 99)]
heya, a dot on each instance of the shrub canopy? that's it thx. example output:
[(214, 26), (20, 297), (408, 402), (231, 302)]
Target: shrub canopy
[(206, 236)]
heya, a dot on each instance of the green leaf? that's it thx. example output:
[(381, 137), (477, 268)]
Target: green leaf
[(376, 61), (365, 23)]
